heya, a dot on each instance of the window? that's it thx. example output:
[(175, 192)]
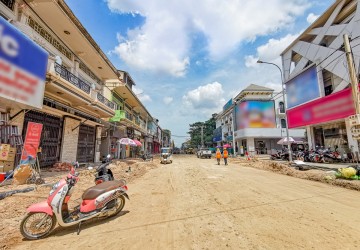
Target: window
[(282, 107), (283, 123)]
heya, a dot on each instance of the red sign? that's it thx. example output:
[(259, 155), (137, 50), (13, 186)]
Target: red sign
[(32, 140), (329, 108)]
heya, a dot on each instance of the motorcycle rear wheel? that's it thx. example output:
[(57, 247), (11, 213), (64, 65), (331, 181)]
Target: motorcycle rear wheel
[(31, 220), (119, 204)]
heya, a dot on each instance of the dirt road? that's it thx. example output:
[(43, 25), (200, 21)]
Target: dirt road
[(195, 204)]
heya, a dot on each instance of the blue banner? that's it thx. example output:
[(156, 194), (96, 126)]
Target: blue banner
[(23, 66)]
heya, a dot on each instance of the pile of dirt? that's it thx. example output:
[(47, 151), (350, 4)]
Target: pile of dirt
[(13, 208), (61, 166), (314, 175)]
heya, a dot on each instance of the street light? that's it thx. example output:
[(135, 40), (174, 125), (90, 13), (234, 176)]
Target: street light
[(233, 129), (283, 94)]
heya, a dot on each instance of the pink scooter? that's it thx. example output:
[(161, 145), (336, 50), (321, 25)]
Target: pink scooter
[(103, 200)]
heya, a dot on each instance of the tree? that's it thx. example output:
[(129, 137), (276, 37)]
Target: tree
[(195, 132)]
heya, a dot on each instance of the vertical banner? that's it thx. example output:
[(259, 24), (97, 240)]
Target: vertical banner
[(32, 140)]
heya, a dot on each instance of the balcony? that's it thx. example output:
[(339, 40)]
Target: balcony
[(105, 101), (70, 77), (64, 86)]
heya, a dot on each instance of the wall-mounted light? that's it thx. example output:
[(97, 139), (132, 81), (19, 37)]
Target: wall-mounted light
[(67, 32)]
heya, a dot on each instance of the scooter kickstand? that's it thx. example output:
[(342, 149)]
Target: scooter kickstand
[(78, 231)]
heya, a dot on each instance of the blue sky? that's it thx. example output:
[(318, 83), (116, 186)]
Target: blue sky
[(187, 59)]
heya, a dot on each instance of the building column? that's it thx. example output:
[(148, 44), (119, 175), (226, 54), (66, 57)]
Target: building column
[(97, 144), (70, 140), (310, 136), (250, 144)]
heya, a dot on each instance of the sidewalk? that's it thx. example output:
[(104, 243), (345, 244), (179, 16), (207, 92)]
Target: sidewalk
[(325, 165)]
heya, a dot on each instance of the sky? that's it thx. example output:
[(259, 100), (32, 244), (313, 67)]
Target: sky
[(188, 58)]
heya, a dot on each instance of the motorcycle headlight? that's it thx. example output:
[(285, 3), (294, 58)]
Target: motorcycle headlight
[(53, 189)]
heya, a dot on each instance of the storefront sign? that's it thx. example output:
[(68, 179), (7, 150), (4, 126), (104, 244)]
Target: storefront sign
[(228, 105), (332, 107), (22, 67), (32, 140)]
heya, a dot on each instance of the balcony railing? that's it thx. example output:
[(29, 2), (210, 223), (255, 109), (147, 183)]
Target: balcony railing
[(128, 116), (9, 3), (105, 101), (70, 77)]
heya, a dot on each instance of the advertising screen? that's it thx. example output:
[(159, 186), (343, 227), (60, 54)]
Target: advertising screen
[(302, 88), (255, 114)]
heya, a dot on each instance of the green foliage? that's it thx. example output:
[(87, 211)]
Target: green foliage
[(195, 133)]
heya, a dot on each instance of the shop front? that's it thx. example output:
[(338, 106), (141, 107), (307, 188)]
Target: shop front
[(325, 120)]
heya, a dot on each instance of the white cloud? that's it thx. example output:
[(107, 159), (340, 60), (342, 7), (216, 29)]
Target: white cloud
[(270, 52), (163, 42), (206, 99), (167, 100), (311, 18), (140, 94)]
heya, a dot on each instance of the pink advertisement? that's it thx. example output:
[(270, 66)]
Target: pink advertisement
[(333, 107)]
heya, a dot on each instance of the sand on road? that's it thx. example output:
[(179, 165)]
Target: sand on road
[(195, 204)]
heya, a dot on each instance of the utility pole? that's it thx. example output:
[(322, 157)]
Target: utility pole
[(202, 135), (352, 72)]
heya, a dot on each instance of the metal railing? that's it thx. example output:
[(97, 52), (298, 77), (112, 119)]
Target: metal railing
[(105, 101), (9, 3), (128, 116), (70, 77)]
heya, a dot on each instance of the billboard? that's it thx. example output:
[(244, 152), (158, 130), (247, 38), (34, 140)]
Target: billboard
[(302, 88), (329, 108), (22, 67), (255, 114), (217, 135)]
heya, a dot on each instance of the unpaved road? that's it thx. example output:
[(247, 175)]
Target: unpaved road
[(195, 204)]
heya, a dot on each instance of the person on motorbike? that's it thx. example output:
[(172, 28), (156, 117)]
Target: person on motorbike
[(218, 156)]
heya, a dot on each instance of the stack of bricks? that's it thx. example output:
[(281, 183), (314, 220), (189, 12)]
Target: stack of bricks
[(62, 166)]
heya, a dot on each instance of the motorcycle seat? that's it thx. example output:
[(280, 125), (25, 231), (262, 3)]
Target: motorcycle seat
[(93, 192)]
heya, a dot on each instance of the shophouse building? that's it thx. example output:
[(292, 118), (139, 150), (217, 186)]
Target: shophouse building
[(317, 80), (258, 116), (82, 91)]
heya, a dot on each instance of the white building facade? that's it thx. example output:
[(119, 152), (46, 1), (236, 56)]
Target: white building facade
[(257, 117)]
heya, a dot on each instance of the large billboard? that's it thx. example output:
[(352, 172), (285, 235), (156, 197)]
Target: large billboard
[(22, 67), (302, 88), (255, 114), (217, 134), (329, 108)]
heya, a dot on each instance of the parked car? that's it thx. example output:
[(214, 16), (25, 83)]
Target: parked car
[(204, 153)]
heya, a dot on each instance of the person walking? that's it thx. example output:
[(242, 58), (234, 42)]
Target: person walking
[(218, 156), (225, 155)]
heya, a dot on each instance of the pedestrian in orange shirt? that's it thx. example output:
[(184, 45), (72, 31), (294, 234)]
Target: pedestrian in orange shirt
[(218, 156), (225, 155)]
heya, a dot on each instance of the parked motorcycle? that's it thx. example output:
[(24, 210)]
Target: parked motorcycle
[(147, 157), (276, 156), (103, 200), (103, 173)]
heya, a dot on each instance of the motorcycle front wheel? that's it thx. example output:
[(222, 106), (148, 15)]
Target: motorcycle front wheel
[(37, 225)]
